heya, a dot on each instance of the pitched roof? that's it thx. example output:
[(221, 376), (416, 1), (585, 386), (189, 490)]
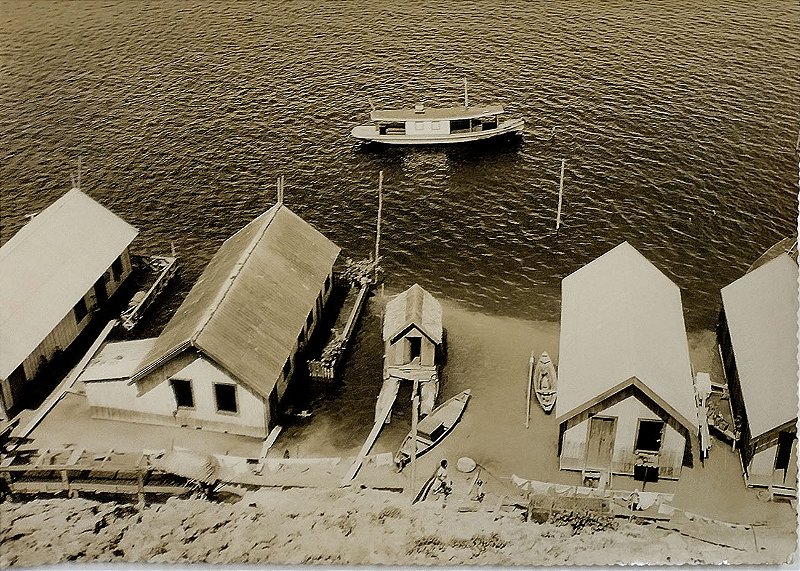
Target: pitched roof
[(117, 360), (48, 265), (621, 320), (415, 306), (251, 302), (435, 113), (761, 311)]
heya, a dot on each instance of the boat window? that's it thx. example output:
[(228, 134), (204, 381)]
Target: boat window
[(184, 398), (459, 125), (648, 437), (392, 129), (436, 125), (225, 396), (419, 126)]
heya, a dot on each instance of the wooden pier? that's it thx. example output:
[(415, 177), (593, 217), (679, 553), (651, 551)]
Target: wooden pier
[(358, 282), (164, 268)]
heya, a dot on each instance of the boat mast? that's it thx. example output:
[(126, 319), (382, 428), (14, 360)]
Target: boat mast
[(466, 95)]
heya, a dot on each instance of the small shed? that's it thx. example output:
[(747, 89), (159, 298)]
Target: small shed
[(55, 273), (626, 401), (224, 360), (757, 334), (412, 336)]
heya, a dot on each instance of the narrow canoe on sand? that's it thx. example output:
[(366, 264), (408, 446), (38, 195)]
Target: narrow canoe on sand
[(433, 428), (545, 382)]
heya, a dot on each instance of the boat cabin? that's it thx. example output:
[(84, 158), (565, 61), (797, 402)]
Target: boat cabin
[(626, 402), (422, 121), (757, 335)]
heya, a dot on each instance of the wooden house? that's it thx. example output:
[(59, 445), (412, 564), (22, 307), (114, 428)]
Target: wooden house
[(626, 401), (56, 272), (224, 360), (412, 336), (757, 335)]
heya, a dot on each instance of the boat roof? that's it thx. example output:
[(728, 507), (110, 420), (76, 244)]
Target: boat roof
[(761, 312), (434, 113), (621, 325), (48, 265)]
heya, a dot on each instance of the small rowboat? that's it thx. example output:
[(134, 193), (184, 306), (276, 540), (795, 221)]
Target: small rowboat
[(433, 428), (545, 382)]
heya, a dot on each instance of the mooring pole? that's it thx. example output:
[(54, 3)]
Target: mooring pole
[(528, 400), (378, 229), (560, 194), (414, 418)]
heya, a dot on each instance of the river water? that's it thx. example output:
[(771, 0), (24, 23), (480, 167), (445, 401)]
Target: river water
[(677, 121)]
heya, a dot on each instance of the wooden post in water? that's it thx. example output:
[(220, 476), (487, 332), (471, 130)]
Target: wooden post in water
[(414, 419), (378, 229), (528, 400), (560, 194)]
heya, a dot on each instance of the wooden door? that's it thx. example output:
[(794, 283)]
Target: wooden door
[(600, 442)]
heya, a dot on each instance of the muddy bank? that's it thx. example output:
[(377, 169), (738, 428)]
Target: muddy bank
[(336, 527)]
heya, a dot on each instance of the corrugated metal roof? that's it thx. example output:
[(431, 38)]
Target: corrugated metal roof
[(622, 320), (435, 113), (49, 265), (761, 310), (251, 302), (117, 360), (414, 306)]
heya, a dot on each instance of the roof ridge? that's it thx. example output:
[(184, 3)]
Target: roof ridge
[(240, 263)]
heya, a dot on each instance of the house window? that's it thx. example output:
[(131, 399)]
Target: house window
[(182, 389), (310, 319), (287, 367), (327, 283), (225, 396), (116, 269), (648, 437), (80, 310), (784, 451)]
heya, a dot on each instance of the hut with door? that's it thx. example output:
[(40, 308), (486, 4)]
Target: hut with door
[(224, 360), (626, 401), (412, 336), (56, 273), (757, 335)]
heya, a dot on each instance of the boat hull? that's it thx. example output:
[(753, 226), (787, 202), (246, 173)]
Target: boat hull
[(546, 395), (443, 418), (370, 133)]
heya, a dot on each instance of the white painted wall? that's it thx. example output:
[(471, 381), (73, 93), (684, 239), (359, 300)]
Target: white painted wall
[(427, 128), (119, 400), (627, 414)]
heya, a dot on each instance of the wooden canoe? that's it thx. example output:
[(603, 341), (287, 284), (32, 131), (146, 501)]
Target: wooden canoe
[(433, 428), (545, 382)]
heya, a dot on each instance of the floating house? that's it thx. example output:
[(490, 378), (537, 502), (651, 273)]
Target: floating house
[(757, 335), (56, 273), (224, 360), (626, 401), (412, 336)]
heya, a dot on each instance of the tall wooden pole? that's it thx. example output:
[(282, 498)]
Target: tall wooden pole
[(414, 419), (378, 230), (560, 194), (528, 400)]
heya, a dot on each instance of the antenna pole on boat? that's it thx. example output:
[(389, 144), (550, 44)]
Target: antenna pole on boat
[(560, 194), (466, 95), (280, 189), (371, 105), (528, 400), (378, 229)]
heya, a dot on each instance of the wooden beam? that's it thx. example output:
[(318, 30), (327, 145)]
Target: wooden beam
[(373, 435)]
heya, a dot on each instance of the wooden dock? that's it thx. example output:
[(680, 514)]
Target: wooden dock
[(164, 268), (327, 365)]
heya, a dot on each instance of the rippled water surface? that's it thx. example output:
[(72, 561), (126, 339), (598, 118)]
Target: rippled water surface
[(677, 120)]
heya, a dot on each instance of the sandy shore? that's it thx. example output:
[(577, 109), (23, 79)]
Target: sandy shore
[(487, 354), (335, 527)]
